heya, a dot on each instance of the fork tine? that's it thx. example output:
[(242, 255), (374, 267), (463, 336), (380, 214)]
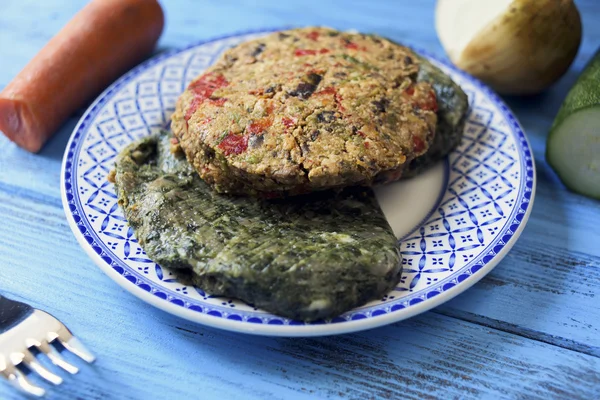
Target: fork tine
[(73, 344), (56, 358), (35, 366), (20, 381), (76, 347)]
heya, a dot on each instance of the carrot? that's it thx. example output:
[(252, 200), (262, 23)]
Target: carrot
[(104, 40)]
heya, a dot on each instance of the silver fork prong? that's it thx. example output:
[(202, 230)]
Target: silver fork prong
[(20, 381), (71, 343), (33, 364), (56, 358), (76, 347), (27, 328)]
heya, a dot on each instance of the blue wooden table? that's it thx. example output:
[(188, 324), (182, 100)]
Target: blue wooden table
[(530, 329)]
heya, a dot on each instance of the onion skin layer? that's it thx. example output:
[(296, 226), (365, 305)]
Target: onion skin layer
[(527, 48)]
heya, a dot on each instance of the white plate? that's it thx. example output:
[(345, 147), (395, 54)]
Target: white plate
[(456, 221)]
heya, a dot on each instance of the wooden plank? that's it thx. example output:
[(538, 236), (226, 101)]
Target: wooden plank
[(542, 289), (430, 356), (553, 208), (381, 17), (529, 330), (547, 286), (141, 348)]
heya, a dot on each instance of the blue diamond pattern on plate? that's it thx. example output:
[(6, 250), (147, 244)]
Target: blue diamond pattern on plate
[(489, 189)]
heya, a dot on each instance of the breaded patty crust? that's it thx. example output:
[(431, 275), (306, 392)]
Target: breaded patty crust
[(306, 109)]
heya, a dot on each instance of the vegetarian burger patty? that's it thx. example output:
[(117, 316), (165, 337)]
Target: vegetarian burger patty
[(306, 109)]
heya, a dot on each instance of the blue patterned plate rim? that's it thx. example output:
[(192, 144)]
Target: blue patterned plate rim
[(267, 324)]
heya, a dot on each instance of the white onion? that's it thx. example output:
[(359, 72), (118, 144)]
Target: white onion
[(515, 46)]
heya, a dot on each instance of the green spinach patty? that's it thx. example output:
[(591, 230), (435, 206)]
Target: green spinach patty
[(307, 258), (453, 106)]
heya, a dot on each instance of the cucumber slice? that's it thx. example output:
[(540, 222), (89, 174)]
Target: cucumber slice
[(574, 152), (573, 145)]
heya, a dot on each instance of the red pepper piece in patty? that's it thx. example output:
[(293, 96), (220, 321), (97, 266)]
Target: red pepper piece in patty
[(219, 101), (352, 46), (193, 106), (288, 122), (203, 88), (305, 52), (259, 126), (428, 104), (314, 35), (233, 144), (309, 52), (431, 103), (337, 97), (419, 144), (327, 90)]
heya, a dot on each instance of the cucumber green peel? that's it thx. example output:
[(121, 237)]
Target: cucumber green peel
[(573, 145)]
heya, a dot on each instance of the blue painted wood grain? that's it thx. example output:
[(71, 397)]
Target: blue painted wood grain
[(530, 329)]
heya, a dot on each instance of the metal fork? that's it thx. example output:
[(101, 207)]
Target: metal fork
[(23, 327)]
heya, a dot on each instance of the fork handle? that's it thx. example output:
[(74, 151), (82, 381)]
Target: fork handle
[(12, 312)]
